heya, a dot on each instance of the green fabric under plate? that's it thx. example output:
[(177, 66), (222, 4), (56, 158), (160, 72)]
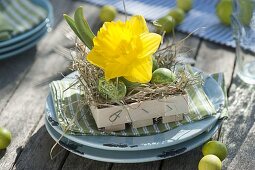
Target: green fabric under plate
[(66, 108), (19, 16)]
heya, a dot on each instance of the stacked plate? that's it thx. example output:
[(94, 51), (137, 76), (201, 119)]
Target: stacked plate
[(29, 38), (145, 148)]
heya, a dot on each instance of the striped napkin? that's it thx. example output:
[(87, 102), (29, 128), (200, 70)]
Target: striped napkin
[(21, 15), (69, 112), (219, 77), (5, 29)]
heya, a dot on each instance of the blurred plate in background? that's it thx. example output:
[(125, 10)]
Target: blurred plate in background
[(30, 38)]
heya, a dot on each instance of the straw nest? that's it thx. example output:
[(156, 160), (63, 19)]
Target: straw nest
[(166, 57)]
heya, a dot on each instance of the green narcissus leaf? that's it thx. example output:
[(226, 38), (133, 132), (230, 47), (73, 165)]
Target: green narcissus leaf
[(154, 64), (83, 28), (71, 23), (130, 85)]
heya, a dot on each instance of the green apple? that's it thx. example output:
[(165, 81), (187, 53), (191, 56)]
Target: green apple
[(210, 162), (246, 11), (166, 23), (178, 14), (107, 13), (224, 10), (5, 138), (185, 5), (215, 148), (163, 76)]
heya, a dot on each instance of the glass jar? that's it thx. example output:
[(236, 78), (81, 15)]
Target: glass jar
[(243, 24)]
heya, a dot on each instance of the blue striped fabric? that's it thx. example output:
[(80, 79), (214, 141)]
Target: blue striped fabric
[(201, 16)]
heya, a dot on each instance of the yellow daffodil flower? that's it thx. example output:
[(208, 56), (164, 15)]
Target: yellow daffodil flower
[(125, 49)]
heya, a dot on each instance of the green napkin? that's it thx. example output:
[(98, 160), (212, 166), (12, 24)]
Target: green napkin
[(19, 16), (5, 29), (67, 110)]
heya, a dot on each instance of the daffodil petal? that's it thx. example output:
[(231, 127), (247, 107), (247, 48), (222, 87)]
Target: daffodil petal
[(142, 72), (114, 70), (125, 49), (150, 43), (105, 44), (96, 58), (138, 25), (108, 38)]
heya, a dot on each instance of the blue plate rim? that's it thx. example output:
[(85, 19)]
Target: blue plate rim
[(21, 44), (23, 48), (152, 154)]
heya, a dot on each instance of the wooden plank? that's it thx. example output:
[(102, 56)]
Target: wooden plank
[(27, 104), (13, 69), (185, 161), (213, 58), (66, 165), (244, 159), (27, 108), (143, 166), (79, 163), (36, 152), (66, 6), (210, 57), (91, 13), (191, 43), (238, 130)]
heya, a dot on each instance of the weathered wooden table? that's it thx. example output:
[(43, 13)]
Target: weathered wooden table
[(23, 91)]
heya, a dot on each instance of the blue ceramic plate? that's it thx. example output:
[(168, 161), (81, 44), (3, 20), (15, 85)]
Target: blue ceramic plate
[(21, 44), (169, 138), (46, 23), (131, 156), (22, 48)]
